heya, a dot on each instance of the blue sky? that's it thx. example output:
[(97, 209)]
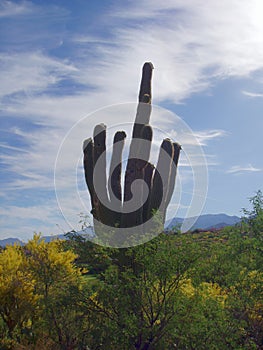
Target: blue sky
[(63, 60)]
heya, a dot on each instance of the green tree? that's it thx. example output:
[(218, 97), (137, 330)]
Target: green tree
[(236, 266), (136, 300), (254, 218)]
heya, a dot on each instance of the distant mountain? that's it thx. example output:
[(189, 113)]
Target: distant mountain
[(206, 222), (88, 232), (10, 241)]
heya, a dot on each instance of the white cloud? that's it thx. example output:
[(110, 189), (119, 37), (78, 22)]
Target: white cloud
[(191, 43), (208, 135), (252, 94), (200, 137), (22, 222), (31, 72), (89, 39), (238, 169), (6, 146), (10, 8), (16, 212)]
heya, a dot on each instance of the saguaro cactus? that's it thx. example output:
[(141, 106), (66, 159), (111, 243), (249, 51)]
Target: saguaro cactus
[(131, 208)]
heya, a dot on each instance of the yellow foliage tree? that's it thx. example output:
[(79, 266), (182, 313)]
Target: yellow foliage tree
[(59, 282), (50, 264), (17, 289), (37, 285)]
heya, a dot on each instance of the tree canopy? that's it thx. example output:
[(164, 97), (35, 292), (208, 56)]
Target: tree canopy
[(198, 290)]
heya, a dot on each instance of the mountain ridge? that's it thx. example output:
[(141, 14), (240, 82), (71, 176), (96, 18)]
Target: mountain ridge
[(204, 222)]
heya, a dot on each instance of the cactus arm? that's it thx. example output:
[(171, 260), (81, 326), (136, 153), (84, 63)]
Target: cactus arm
[(114, 181), (99, 176), (88, 162), (171, 185), (161, 177), (134, 169)]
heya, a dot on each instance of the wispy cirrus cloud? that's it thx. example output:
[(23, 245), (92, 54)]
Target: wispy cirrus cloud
[(27, 220), (52, 77), (10, 8), (189, 44), (32, 72), (238, 169), (252, 94), (203, 137), (194, 46)]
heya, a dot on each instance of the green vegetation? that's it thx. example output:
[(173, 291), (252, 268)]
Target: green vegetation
[(199, 290)]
